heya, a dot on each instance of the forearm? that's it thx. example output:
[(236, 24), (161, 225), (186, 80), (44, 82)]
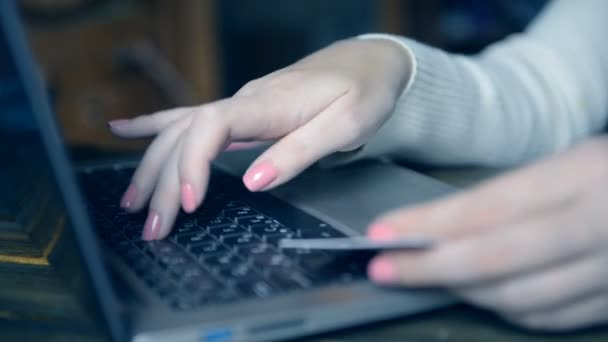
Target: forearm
[(522, 98)]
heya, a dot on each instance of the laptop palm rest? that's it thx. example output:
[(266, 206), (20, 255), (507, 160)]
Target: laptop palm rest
[(349, 197)]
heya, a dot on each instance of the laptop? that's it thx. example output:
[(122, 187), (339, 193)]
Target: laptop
[(220, 275)]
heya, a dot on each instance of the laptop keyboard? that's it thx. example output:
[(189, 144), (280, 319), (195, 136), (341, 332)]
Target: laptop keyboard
[(224, 252)]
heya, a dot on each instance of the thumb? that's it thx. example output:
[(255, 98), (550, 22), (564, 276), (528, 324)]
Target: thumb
[(296, 151)]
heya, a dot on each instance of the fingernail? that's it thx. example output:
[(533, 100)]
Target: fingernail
[(382, 270), (129, 197), (237, 146), (260, 176), (188, 199), (117, 123), (381, 232), (151, 227)]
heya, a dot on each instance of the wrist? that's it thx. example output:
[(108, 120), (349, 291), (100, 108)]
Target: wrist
[(400, 54)]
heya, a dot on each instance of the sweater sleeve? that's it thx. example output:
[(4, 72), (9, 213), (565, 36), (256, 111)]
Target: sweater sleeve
[(528, 96)]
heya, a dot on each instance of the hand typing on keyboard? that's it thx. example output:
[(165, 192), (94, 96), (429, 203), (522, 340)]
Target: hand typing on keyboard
[(226, 251), (333, 100)]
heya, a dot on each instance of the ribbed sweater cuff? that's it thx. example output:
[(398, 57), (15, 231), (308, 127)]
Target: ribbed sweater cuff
[(422, 125)]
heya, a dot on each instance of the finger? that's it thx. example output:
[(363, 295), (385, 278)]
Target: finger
[(586, 313), (164, 204), (300, 148), (148, 125), (203, 141), (152, 124), (504, 252), (213, 127), (239, 146), (145, 176), (508, 198), (252, 118), (230, 111), (543, 291)]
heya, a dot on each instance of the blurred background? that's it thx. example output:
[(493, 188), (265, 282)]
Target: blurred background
[(108, 59)]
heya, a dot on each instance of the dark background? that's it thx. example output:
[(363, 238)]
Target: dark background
[(257, 39), (109, 59)]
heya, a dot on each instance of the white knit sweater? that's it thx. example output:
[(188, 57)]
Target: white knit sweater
[(528, 96)]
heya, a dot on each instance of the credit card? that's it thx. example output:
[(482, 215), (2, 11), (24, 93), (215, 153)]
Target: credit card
[(357, 243)]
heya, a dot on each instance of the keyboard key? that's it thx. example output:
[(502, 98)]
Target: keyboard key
[(257, 220), (257, 288), (231, 229), (183, 229), (154, 277), (236, 214), (161, 247), (284, 233), (221, 260), (238, 271), (235, 205), (270, 259), (177, 270), (207, 248), (239, 240), (200, 285), (173, 261), (193, 271), (189, 222), (219, 221), (256, 249), (326, 232), (270, 229)]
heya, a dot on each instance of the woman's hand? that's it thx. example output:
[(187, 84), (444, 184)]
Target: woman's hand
[(531, 245), (333, 100)]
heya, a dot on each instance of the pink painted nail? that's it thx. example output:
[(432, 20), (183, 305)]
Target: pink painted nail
[(151, 227), (260, 176), (117, 123), (382, 270), (188, 198), (129, 197), (381, 232)]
